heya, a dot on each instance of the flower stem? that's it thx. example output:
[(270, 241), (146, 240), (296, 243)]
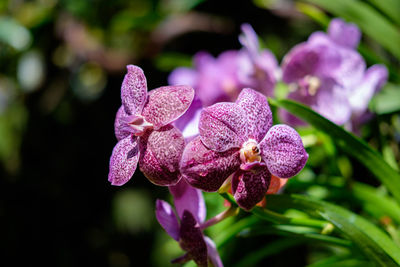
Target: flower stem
[(220, 217)]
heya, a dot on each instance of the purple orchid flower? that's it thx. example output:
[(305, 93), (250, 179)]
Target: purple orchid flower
[(329, 75), (185, 228), (238, 138), (257, 68), (222, 78), (145, 133)]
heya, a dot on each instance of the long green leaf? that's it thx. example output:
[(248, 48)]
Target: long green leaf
[(371, 22), (371, 240), (349, 143), (381, 205), (390, 7)]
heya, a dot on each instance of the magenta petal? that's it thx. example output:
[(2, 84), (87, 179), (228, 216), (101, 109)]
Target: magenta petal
[(120, 131), (207, 169), (283, 151), (213, 253), (223, 126), (123, 161), (191, 239), (258, 113), (345, 34), (167, 219), (134, 90), (190, 199), (167, 104), (249, 188), (161, 153)]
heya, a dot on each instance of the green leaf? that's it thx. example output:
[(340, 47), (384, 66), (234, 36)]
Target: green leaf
[(380, 204), (390, 7), (349, 143), (371, 22), (371, 240)]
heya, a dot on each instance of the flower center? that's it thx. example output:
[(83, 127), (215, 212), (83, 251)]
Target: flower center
[(250, 154), (309, 85), (136, 124)]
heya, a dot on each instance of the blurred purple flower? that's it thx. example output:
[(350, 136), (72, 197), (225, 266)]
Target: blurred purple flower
[(238, 138), (329, 75), (186, 227), (145, 133), (214, 79), (257, 68), (222, 78)]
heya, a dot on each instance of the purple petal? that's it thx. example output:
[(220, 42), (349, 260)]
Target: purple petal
[(192, 239), (188, 123), (207, 169), (123, 161), (332, 102), (249, 39), (258, 113), (345, 34), (212, 252), (161, 153), (375, 77), (166, 104), (283, 151), (120, 130), (134, 90), (223, 126), (190, 199), (167, 218), (249, 188), (181, 76)]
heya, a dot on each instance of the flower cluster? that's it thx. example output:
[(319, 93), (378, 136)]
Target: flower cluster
[(329, 75), (235, 139), (233, 144)]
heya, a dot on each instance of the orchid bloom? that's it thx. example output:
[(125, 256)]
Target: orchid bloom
[(186, 227), (258, 68), (329, 75), (145, 133), (238, 139)]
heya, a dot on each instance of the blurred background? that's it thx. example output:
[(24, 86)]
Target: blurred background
[(62, 63)]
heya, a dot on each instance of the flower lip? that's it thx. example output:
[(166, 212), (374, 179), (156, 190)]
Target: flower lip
[(309, 85), (250, 154)]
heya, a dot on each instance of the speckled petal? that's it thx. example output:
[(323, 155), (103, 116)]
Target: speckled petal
[(120, 131), (213, 253), (161, 153), (190, 199), (123, 161), (207, 169), (192, 239), (283, 151), (134, 90), (166, 217), (167, 104), (258, 113), (249, 188), (345, 34), (223, 126)]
